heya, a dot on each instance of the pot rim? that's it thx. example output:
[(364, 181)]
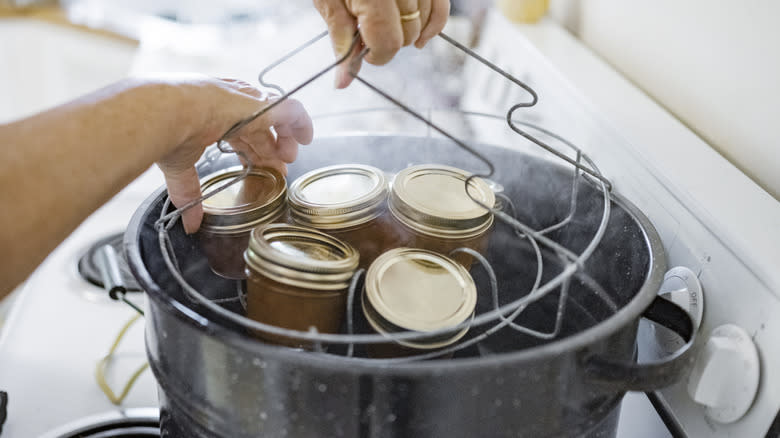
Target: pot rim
[(628, 314)]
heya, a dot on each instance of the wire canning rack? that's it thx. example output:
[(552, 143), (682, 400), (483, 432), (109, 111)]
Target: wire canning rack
[(500, 316)]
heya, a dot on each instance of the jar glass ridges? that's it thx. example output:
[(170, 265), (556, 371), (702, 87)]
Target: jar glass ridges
[(436, 212), (418, 290), (348, 201), (230, 215), (297, 278)]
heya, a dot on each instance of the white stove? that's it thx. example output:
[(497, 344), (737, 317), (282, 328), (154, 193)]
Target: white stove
[(60, 326), (711, 219)]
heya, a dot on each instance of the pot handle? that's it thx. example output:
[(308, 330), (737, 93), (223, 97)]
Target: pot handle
[(654, 375)]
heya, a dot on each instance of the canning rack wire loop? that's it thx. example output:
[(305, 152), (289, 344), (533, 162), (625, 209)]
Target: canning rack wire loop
[(500, 316)]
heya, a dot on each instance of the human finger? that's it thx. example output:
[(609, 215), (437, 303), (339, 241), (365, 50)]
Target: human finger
[(282, 146), (411, 24), (248, 153), (341, 28), (290, 119), (440, 11), (341, 24), (380, 28), (246, 88), (348, 67), (425, 14), (258, 144), (286, 147), (262, 146), (183, 188)]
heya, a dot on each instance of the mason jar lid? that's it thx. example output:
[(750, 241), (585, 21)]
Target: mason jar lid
[(301, 257), (432, 199), (254, 200), (336, 197), (418, 290)]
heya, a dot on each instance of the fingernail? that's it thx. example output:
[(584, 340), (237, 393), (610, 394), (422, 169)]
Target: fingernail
[(188, 227), (191, 221), (342, 47)]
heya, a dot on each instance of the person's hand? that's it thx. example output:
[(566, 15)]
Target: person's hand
[(219, 104), (385, 27)]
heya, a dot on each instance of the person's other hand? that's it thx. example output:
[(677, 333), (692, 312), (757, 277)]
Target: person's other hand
[(385, 27), (214, 106)]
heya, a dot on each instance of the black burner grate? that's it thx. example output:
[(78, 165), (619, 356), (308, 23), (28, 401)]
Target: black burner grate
[(89, 270), (133, 423), (117, 431)]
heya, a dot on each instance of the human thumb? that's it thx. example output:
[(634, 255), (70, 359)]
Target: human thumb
[(341, 27), (183, 188)]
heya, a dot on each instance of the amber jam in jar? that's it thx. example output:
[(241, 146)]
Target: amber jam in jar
[(349, 202), (410, 289), (230, 215), (436, 213), (297, 278)]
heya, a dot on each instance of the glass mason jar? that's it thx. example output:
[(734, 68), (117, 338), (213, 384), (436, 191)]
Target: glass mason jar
[(435, 212), (409, 289), (230, 215), (349, 202), (297, 278)]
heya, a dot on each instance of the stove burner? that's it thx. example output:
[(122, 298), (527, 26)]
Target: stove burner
[(133, 423), (128, 431), (88, 266)]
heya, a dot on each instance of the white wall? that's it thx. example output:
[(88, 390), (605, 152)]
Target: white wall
[(44, 64), (715, 64)]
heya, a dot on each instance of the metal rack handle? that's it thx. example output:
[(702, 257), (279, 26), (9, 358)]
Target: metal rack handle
[(499, 316)]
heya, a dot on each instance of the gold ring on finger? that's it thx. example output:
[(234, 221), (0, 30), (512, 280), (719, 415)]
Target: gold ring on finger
[(409, 17)]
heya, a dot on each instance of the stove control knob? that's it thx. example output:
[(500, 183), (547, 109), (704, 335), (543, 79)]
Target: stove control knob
[(725, 376)]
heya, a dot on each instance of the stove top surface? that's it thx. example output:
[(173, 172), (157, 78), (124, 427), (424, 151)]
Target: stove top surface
[(61, 325)]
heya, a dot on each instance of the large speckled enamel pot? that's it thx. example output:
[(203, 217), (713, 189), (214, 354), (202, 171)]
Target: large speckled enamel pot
[(215, 380)]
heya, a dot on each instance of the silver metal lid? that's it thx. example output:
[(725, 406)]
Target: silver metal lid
[(337, 197), (258, 198), (301, 257), (432, 200), (419, 290)]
